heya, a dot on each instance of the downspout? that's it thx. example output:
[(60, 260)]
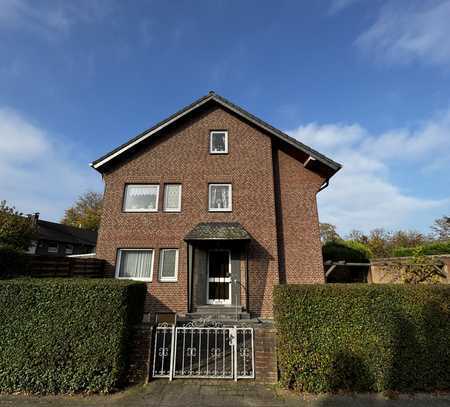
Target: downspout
[(324, 185)]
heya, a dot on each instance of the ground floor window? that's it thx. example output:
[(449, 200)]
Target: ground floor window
[(168, 265), (135, 264), (52, 247)]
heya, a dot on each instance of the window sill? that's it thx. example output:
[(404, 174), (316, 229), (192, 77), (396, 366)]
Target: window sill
[(145, 280), (167, 281), (220, 210), (140, 211)]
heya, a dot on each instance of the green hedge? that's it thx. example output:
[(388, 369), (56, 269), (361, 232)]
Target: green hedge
[(363, 337), (13, 262), (426, 249), (349, 251), (66, 335)]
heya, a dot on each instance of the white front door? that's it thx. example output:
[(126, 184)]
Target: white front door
[(219, 277)]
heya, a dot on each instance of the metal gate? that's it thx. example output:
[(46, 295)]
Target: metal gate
[(206, 351)]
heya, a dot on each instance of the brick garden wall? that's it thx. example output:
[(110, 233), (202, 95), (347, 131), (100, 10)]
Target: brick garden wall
[(265, 342), (266, 368)]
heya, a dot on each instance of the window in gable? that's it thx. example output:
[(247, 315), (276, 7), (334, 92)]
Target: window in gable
[(218, 142)]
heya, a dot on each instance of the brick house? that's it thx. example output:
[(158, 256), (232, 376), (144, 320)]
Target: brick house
[(212, 207)]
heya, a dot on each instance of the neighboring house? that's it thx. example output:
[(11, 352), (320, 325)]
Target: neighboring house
[(57, 239), (212, 207)]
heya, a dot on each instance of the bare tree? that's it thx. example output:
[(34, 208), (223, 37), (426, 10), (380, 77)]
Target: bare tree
[(441, 228), (328, 233)]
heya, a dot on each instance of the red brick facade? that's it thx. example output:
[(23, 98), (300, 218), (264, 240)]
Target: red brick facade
[(278, 211)]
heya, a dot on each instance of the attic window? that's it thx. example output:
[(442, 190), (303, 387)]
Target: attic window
[(218, 142)]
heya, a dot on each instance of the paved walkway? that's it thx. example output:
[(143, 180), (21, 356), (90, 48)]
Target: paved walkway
[(161, 393)]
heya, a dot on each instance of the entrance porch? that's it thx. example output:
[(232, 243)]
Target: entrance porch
[(218, 271)]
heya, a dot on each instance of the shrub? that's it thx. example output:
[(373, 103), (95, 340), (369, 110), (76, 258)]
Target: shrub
[(13, 262), (426, 249), (363, 337), (66, 335), (350, 251), (16, 230)]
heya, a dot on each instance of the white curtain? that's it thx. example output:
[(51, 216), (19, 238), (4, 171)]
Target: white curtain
[(168, 263), (141, 197), (136, 263), (172, 196), (136, 191), (220, 195)]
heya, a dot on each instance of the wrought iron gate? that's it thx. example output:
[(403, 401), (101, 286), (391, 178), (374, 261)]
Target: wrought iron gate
[(206, 351)]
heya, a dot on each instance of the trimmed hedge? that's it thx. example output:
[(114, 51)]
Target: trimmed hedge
[(13, 262), (426, 249), (66, 335), (349, 251), (363, 337)]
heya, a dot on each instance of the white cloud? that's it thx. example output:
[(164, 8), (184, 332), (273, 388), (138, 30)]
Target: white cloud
[(362, 195), (37, 174), (53, 17), (338, 5), (412, 31)]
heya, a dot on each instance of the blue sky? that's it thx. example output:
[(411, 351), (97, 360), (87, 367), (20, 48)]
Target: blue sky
[(366, 82)]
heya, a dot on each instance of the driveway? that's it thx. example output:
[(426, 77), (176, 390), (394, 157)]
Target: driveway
[(190, 394)]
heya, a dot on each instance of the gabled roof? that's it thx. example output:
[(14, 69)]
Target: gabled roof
[(218, 231), (314, 155), (63, 233)]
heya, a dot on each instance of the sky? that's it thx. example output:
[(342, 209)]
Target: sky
[(366, 82)]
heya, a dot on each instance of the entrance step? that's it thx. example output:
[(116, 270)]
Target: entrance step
[(219, 312)]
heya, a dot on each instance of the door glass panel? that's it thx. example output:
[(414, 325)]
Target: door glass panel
[(219, 291), (218, 264)]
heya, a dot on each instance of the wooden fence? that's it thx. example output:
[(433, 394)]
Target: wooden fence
[(52, 266)]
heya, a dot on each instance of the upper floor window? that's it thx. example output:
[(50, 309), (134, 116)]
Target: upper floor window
[(218, 142), (220, 199), (172, 198), (141, 198)]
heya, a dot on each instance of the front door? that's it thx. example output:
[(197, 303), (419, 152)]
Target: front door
[(219, 277)]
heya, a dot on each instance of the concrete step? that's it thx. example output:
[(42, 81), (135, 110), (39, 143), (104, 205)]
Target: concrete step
[(219, 312), (222, 309)]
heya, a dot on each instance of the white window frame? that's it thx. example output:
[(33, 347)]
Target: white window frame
[(161, 264), (54, 249), (124, 206), (230, 189), (33, 247), (178, 208), (119, 260), (211, 134)]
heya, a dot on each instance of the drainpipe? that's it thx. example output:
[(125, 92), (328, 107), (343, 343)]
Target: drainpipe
[(324, 185)]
